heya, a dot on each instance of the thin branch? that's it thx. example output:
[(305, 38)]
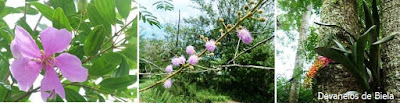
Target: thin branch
[(37, 23), (249, 14), (336, 26), (237, 49), (151, 63), (27, 94), (8, 92), (248, 49), (91, 57)]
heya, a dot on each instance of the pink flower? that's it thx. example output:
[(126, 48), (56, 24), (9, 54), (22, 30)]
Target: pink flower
[(245, 36), (168, 69), (193, 59), (182, 60), (168, 83), (29, 61), (210, 45), (190, 50), (325, 60), (178, 60)]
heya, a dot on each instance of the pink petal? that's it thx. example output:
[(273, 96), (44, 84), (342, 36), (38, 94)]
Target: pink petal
[(71, 67), (54, 40), (51, 82), (25, 72), (23, 45)]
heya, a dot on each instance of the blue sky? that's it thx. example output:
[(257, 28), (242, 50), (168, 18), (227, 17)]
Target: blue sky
[(164, 17)]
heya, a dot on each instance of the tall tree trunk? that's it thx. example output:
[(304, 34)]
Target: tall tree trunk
[(298, 68), (390, 51), (334, 78)]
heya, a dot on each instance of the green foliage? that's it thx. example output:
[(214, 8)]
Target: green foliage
[(72, 95), (45, 10), (117, 83), (90, 24), (164, 4), (283, 89), (95, 40), (123, 7), (67, 5), (60, 20), (228, 85), (105, 64), (364, 54)]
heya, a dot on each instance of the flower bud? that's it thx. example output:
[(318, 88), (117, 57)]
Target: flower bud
[(202, 36), (262, 19), (260, 11), (221, 20), (211, 54), (191, 67), (220, 30), (240, 27), (206, 38), (218, 43), (229, 26), (252, 2), (240, 13), (246, 7)]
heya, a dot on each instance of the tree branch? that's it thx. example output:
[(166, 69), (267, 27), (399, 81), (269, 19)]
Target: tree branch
[(248, 49), (249, 14)]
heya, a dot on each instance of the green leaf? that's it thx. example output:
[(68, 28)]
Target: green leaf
[(105, 64), (368, 17), (341, 47), (130, 52), (67, 5), (94, 15), (82, 5), (101, 99), (386, 39), (4, 68), (73, 96), (94, 41), (375, 15), (106, 9), (60, 21), (340, 58), (16, 93), (45, 10), (77, 50), (118, 83), (132, 31), (3, 92), (361, 45), (22, 22), (29, 11), (123, 7), (2, 5), (122, 70)]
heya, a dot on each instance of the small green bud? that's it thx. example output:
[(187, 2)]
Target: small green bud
[(229, 26), (246, 7), (262, 19), (260, 11), (252, 2), (220, 30), (221, 20)]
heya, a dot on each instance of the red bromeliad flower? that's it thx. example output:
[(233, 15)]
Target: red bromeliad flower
[(321, 62)]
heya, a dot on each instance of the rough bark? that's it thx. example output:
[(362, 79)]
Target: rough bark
[(390, 50), (300, 55), (335, 79)]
